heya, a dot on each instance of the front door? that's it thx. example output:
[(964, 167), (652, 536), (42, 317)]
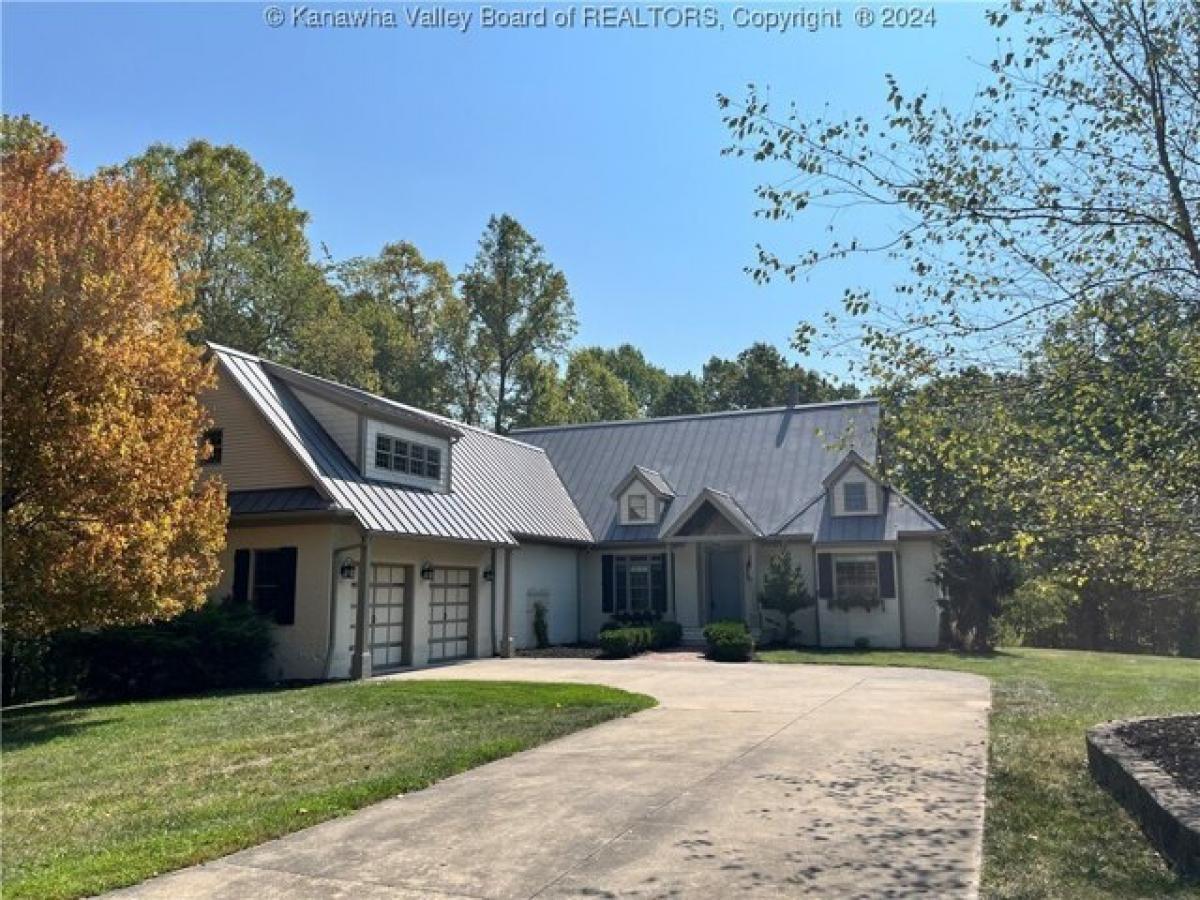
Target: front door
[(725, 583)]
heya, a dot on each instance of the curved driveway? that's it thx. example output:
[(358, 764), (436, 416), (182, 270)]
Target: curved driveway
[(754, 780)]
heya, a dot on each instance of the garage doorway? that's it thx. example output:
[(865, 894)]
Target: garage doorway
[(451, 611), (389, 616)]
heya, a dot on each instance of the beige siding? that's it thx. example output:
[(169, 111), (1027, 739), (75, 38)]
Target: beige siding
[(253, 457), (339, 423)]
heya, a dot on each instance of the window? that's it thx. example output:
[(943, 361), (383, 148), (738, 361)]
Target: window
[(854, 496), (407, 458), (211, 444), (267, 578), (636, 508), (857, 581), (635, 583)]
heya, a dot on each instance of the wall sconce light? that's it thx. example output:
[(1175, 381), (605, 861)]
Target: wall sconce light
[(489, 574), (427, 571), (347, 569), (749, 569)]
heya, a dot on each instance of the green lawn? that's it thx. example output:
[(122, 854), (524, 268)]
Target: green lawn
[(1050, 832), (100, 796)]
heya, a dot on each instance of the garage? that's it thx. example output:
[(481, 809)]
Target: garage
[(451, 608), (389, 614)]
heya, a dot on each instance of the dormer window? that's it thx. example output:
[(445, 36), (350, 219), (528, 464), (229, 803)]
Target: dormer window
[(407, 457), (637, 508), (854, 497)]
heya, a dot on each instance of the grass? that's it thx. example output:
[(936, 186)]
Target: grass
[(100, 796), (1050, 832)]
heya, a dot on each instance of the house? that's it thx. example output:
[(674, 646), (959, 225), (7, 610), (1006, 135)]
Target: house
[(377, 535)]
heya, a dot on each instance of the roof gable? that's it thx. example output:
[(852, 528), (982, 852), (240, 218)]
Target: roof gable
[(713, 513), (653, 481)]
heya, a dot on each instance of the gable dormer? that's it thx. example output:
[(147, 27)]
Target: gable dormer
[(642, 497), (853, 489), (384, 440)]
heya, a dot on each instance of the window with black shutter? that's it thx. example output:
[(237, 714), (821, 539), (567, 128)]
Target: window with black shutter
[(267, 578), (825, 576), (606, 569), (887, 575)]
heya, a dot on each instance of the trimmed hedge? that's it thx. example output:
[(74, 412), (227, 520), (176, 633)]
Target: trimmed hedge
[(619, 641), (222, 645), (729, 641)]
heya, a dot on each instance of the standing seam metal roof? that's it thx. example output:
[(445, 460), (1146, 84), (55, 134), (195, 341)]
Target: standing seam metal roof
[(501, 489)]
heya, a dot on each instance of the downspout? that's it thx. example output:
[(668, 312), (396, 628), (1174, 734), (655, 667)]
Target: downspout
[(360, 664), (817, 588), (333, 592), (495, 643), (579, 594), (506, 645)]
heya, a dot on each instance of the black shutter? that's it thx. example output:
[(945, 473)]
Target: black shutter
[(606, 576), (285, 600), (887, 575), (658, 583), (241, 575), (825, 576)]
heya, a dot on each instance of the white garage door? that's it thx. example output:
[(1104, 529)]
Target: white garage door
[(450, 605), (385, 632)]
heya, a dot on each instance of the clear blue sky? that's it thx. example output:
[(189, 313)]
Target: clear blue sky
[(605, 144)]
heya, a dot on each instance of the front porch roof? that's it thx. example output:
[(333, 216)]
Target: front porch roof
[(725, 504)]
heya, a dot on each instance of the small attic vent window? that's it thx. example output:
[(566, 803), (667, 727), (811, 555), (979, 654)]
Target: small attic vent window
[(637, 508), (854, 496)]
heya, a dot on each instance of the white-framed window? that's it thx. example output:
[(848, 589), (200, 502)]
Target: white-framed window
[(856, 579), (854, 497), (637, 508), (634, 584), (407, 457)]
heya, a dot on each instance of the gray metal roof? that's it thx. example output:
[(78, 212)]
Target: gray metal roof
[(276, 500), (501, 490), (771, 461), (901, 517)]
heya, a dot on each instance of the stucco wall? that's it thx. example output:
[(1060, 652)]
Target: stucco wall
[(300, 647), (545, 573), (917, 561), (412, 553)]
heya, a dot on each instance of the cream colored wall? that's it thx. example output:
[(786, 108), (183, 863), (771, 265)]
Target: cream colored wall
[(917, 562), (253, 455), (545, 573), (299, 647), (400, 551), (339, 423)]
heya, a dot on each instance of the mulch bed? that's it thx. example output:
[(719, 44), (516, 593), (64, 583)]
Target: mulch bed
[(563, 651), (1173, 744)]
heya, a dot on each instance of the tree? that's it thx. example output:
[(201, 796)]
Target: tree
[(401, 299), (645, 381), (470, 362), (255, 284), (105, 520), (594, 393), (539, 398), (761, 377), (520, 302), (784, 593), (683, 396), (335, 344)]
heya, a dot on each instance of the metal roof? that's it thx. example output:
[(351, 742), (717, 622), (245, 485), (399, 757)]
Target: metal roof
[(276, 500), (501, 490), (771, 461)]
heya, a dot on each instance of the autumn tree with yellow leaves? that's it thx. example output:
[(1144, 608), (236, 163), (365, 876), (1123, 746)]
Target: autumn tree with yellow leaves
[(106, 519)]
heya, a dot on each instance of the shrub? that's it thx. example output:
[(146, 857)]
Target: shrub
[(626, 641), (541, 629), (224, 644), (729, 641), (643, 617), (666, 634)]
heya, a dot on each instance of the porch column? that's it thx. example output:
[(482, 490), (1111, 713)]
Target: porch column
[(360, 663)]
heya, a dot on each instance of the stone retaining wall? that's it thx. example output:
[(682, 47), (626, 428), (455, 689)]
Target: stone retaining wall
[(1168, 815)]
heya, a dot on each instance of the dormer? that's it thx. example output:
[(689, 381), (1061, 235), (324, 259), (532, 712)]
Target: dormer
[(853, 488), (642, 497), (384, 440)]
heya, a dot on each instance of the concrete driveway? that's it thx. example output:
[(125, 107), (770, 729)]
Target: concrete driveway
[(763, 780)]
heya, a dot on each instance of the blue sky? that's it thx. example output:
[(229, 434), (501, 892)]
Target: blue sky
[(605, 144)]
